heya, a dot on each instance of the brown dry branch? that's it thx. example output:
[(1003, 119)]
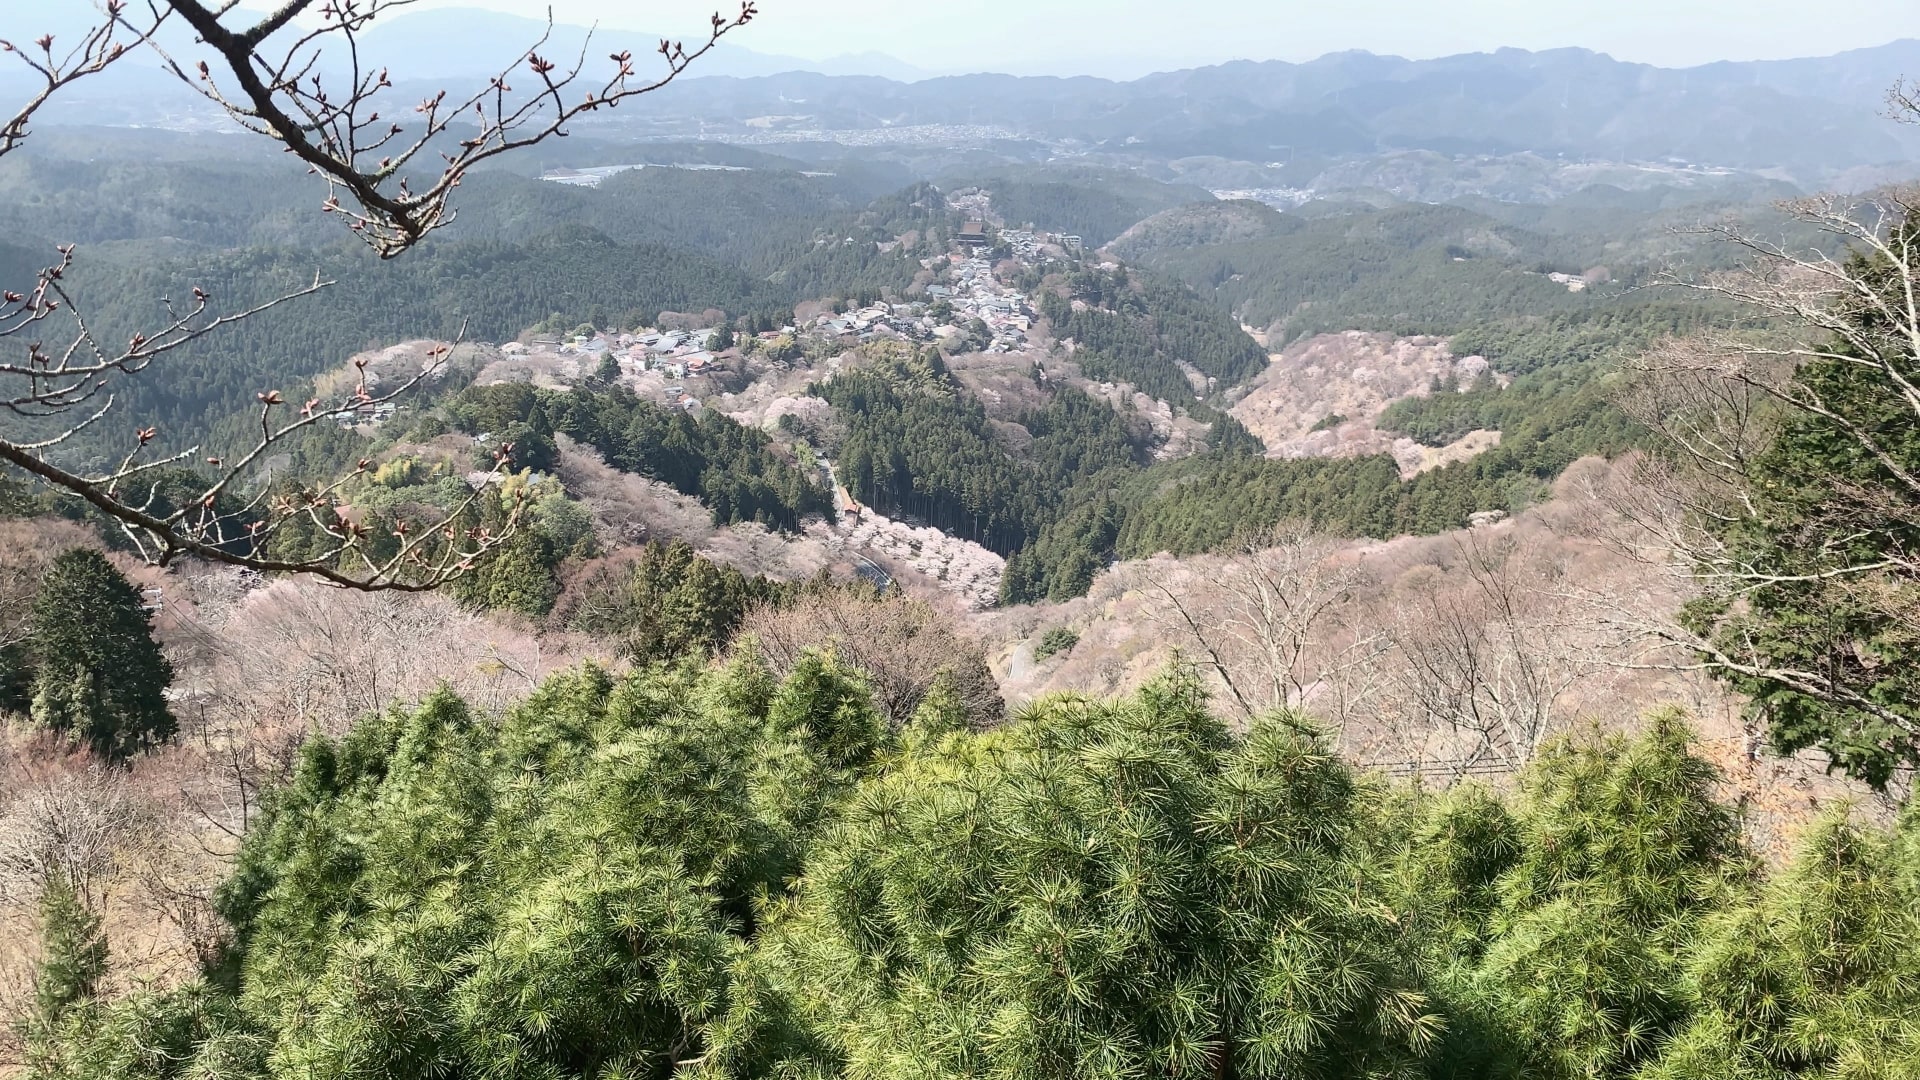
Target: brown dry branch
[(1484, 656), (1903, 102), (220, 524), (27, 548), (118, 31), (1818, 305), (69, 829), (1269, 620), (1461, 662), (59, 380), (901, 645), (274, 665), (270, 83)]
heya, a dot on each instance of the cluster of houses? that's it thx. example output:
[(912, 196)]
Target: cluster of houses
[(372, 413), (907, 322), (674, 353), (1027, 245), (964, 296), (973, 293), (976, 294)]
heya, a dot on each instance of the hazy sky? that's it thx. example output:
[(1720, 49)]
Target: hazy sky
[(1124, 38)]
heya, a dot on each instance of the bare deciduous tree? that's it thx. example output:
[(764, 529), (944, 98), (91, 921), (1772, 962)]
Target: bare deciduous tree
[(26, 550), (278, 664), (1268, 620), (67, 831), (1486, 656), (901, 645), (397, 175)]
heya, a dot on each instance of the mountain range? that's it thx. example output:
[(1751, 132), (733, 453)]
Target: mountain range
[(1812, 116), (1808, 120)]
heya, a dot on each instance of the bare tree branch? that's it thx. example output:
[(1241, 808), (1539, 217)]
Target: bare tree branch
[(60, 382), (1807, 582), (338, 131)]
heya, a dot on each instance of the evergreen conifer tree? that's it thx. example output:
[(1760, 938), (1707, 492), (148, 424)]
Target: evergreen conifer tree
[(73, 954), (99, 675), (1113, 890)]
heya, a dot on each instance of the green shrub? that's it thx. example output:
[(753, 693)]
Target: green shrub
[(1056, 641)]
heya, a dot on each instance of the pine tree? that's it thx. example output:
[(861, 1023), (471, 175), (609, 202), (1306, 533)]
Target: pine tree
[(1559, 931), (519, 580), (73, 954), (1819, 975), (1119, 889), (99, 675)]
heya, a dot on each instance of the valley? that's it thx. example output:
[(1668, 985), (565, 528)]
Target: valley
[(1354, 567)]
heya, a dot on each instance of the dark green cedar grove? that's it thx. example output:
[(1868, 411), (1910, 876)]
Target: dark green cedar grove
[(98, 674)]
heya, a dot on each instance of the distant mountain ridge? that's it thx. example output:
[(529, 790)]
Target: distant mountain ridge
[(1812, 116), (1808, 120)]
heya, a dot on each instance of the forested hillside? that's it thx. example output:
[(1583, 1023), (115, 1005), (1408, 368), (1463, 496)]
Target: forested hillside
[(491, 290), (975, 579), (524, 252), (1143, 332), (917, 444), (1095, 204), (753, 240), (1427, 269)]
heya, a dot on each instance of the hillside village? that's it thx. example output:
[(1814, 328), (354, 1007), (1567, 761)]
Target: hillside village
[(966, 306), (969, 304)]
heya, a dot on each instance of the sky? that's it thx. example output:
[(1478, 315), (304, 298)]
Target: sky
[(1127, 38)]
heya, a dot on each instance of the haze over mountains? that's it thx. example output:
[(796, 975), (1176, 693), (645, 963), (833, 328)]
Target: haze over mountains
[(1806, 120)]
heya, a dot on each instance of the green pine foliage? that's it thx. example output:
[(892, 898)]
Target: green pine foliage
[(99, 676), (670, 602), (1608, 923), (563, 893), (708, 872), (1054, 641), (1621, 854), (916, 443), (73, 955), (1100, 890), (1818, 977), (1140, 329), (735, 470)]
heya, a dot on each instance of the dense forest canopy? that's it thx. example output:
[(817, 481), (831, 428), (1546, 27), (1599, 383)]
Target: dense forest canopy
[(1093, 203), (722, 873)]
